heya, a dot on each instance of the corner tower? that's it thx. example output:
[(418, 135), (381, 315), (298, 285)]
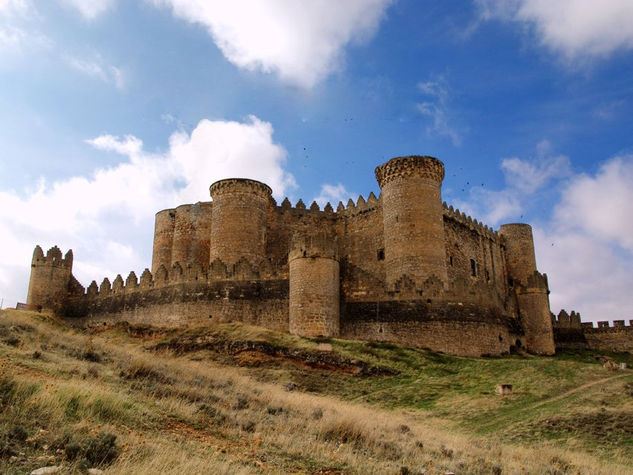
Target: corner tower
[(314, 303), (530, 286), (50, 280), (413, 221), (238, 221)]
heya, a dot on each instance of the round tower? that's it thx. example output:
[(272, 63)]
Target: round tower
[(530, 286), (520, 257), (314, 303), (201, 215), (50, 278), (413, 220), (163, 239), (238, 221), (184, 234)]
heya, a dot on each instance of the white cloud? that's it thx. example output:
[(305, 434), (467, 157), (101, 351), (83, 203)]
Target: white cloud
[(333, 194), (600, 205), (17, 33), (107, 218), (13, 7), (523, 179), (90, 9), (437, 108), (575, 29), (302, 42), (527, 177), (97, 69), (587, 246)]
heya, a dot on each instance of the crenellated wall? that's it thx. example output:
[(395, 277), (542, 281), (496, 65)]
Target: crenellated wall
[(572, 334), (401, 267)]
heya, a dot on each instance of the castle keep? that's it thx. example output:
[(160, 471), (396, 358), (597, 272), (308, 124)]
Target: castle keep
[(403, 267)]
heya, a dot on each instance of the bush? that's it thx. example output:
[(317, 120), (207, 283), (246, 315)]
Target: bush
[(7, 390), (101, 450), (18, 433), (91, 355), (12, 341), (343, 431)]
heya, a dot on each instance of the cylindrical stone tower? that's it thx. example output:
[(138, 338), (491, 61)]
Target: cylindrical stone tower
[(163, 239), (201, 214), (413, 221), (184, 235), (520, 257), (314, 303), (238, 223), (530, 286)]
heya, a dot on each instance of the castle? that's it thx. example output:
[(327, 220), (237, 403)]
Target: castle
[(403, 268)]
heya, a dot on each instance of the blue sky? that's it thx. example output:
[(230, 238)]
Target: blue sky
[(111, 110)]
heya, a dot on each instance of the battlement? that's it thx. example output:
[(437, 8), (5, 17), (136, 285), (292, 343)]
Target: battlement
[(411, 166), (240, 185), (177, 274), (573, 320), (351, 208), (53, 258), (469, 222)]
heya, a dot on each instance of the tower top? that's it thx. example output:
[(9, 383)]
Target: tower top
[(240, 185), (410, 166)]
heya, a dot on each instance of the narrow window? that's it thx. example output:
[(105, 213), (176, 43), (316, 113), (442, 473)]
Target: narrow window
[(450, 260), (381, 254), (473, 268), (487, 275)]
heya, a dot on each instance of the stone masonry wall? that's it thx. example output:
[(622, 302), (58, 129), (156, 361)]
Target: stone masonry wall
[(263, 303), (447, 327), (571, 334)]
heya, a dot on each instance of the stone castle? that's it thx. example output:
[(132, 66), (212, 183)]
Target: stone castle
[(403, 268)]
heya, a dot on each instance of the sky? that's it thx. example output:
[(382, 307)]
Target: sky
[(112, 110)]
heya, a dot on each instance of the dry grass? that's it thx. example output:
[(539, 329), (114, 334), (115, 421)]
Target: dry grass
[(171, 415)]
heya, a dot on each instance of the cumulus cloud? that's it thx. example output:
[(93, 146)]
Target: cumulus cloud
[(436, 107), (586, 247), (575, 29), (585, 244), (523, 179), (97, 69), (90, 9), (107, 218), (333, 194), (302, 42)]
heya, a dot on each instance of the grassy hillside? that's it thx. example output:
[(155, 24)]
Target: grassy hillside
[(238, 399)]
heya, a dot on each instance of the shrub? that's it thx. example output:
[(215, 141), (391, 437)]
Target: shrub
[(12, 341), (91, 355), (242, 403), (273, 411), (343, 431), (18, 433), (101, 450)]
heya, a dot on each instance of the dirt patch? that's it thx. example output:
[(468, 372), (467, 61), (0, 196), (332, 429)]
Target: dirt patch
[(258, 353), (141, 332)]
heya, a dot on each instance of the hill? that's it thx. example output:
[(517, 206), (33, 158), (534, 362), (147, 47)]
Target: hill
[(237, 399)]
